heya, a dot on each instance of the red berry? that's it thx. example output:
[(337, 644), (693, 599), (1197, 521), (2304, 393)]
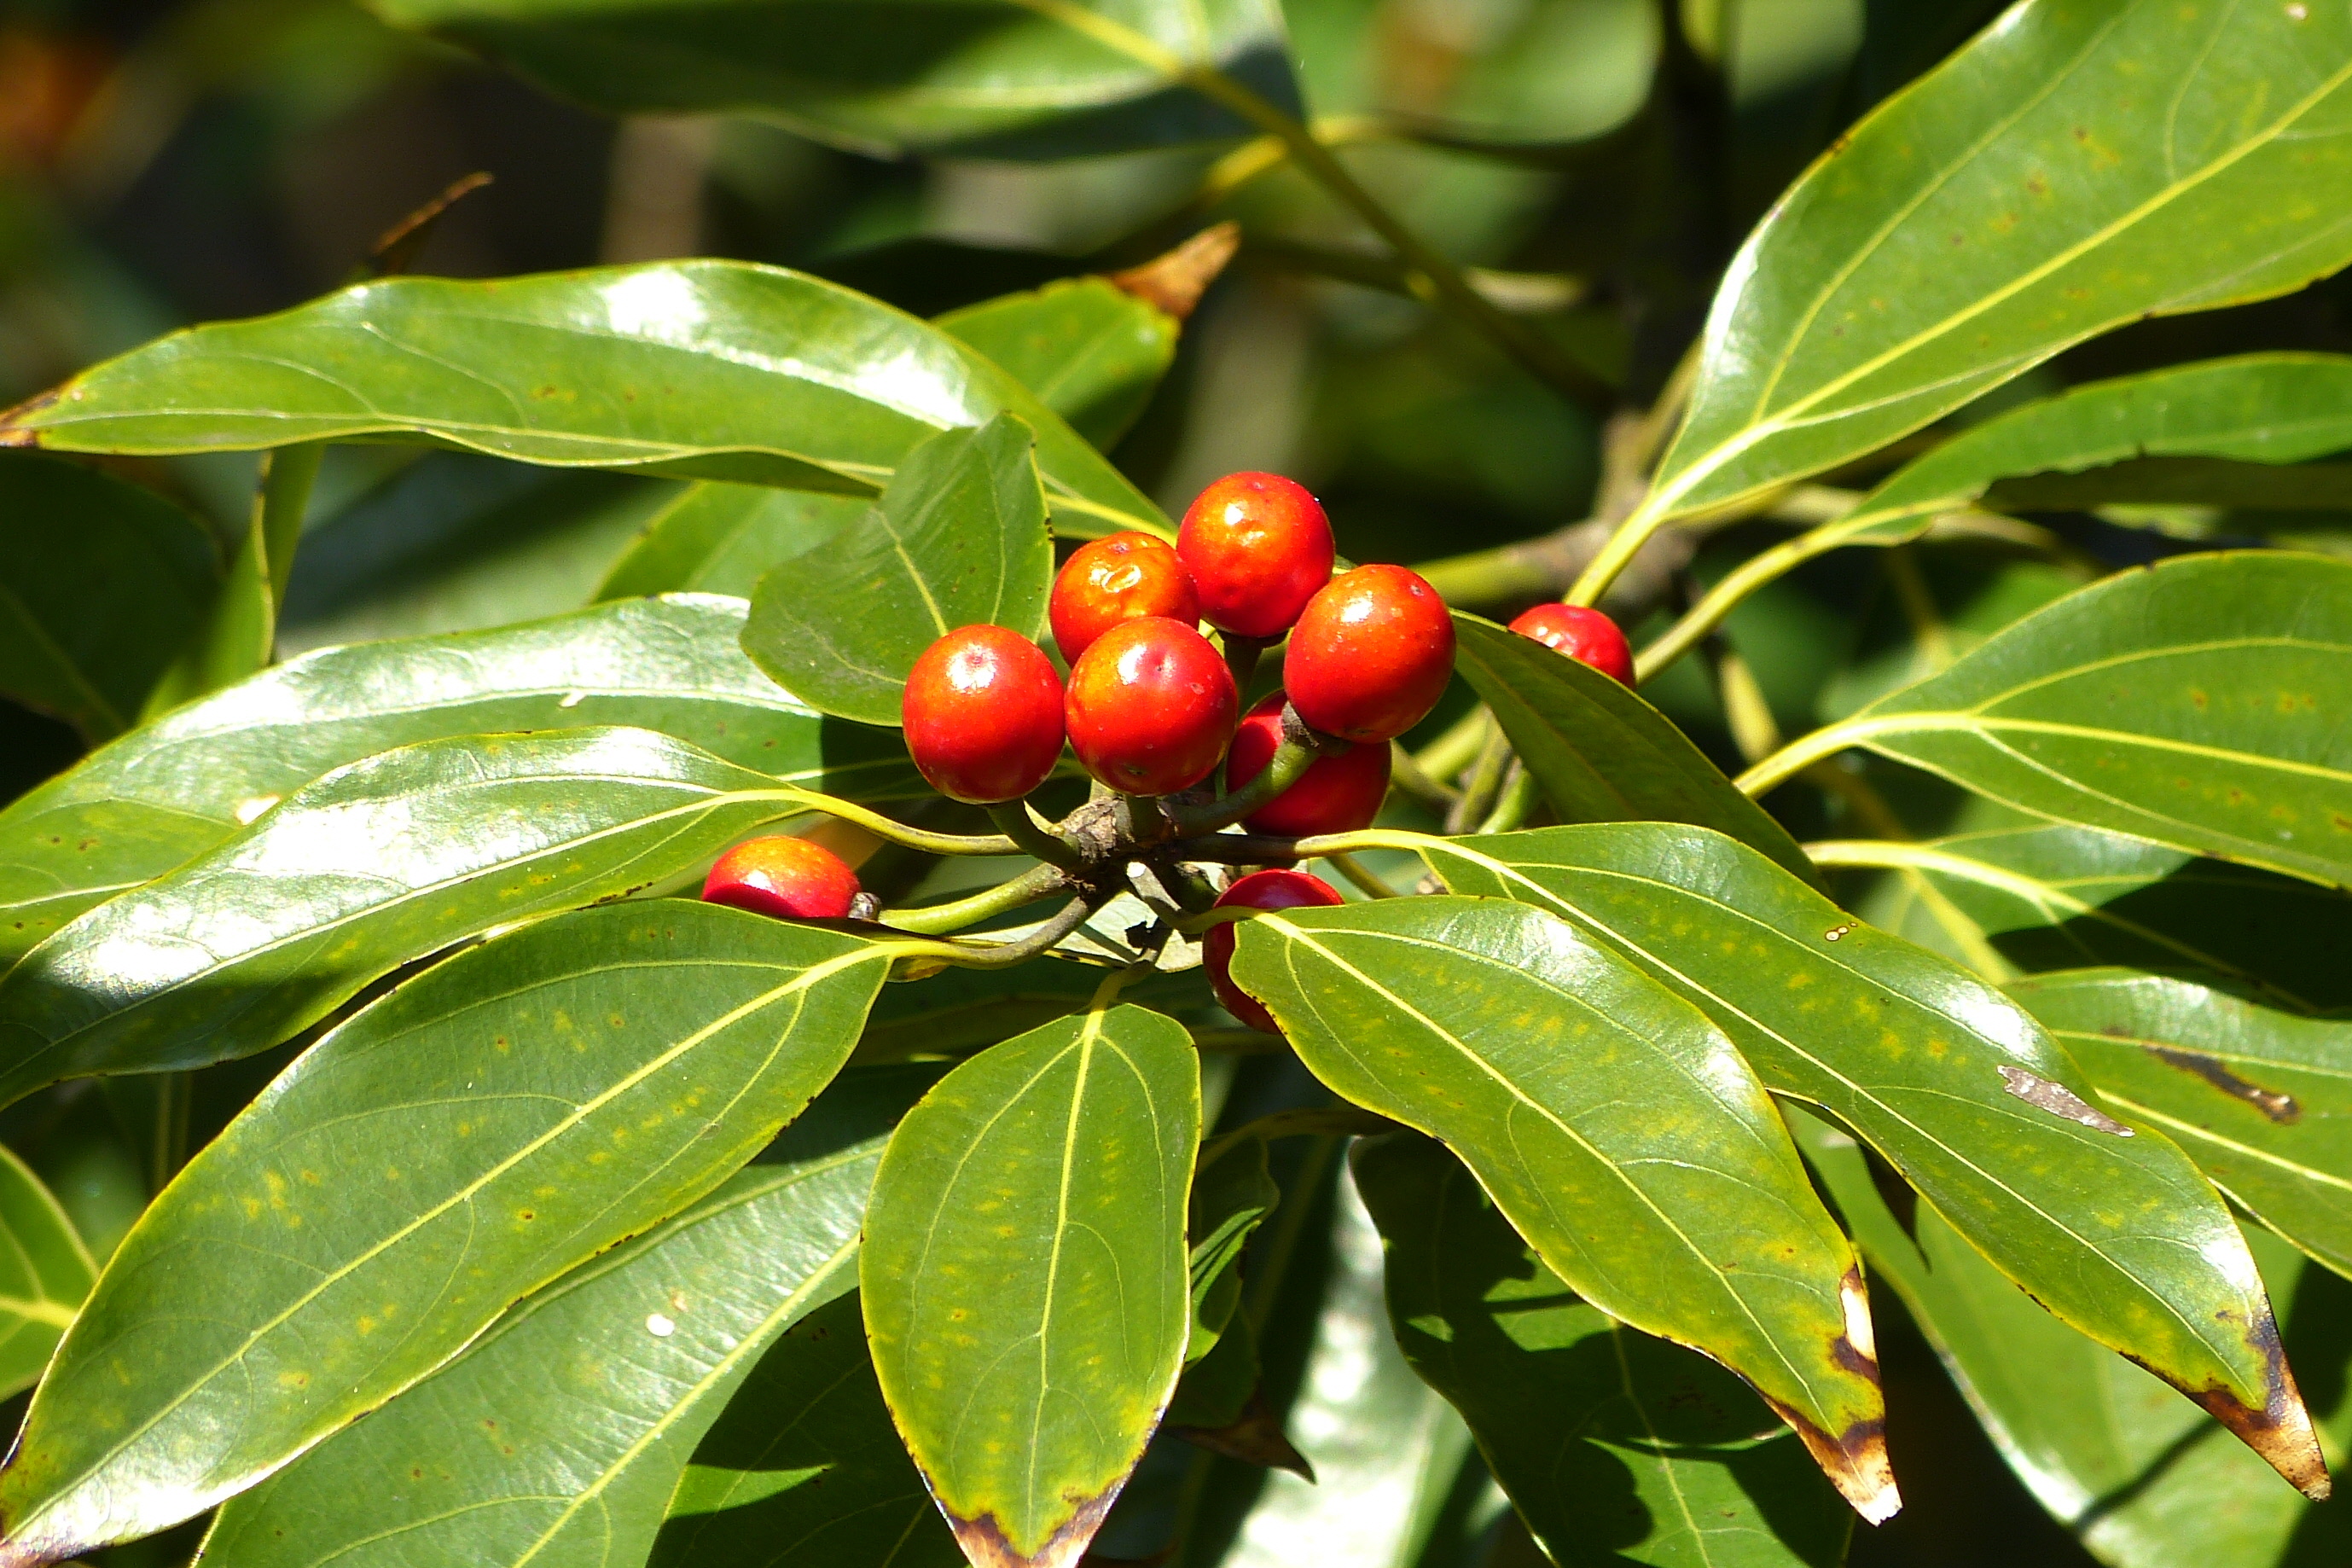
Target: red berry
[(1336, 794), (1281, 889), (1151, 707), (790, 879), (1259, 547), (1371, 655), (1121, 578), (1586, 635), (983, 711)]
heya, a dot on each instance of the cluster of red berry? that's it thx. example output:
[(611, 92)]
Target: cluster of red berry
[(1151, 707)]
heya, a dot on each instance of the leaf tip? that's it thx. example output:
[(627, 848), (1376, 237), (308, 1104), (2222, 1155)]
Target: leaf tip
[(1174, 283), (2281, 1430), (1855, 1458), (1254, 1438), (985, 1544)]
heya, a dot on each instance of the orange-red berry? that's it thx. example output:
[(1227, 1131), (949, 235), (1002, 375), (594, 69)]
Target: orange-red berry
[(1584, 634), (1371, 655), (1277, 889), (791, 879), (1151, 707), (983, 711), (1259, 547), (1337, 793), (1124, 578)]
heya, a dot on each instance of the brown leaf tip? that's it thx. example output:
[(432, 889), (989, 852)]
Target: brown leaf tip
[(1256, 1438), (1175, 282), (12, 422), (985, 1544), (2281, 1431)]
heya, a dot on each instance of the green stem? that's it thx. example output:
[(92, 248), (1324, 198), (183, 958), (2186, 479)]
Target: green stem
[(1799, 754), (882, 827), (1405, 772), (1024, 828), (1479, 790), (1003, 955), (287, 477), (938, 919), (1366, 879), (1518, 796), (1288, 764), (1444, 758)]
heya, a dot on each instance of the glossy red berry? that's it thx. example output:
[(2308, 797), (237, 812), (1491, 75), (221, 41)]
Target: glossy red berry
[(983, 711), (1259, 547), (791, 879), (1336, 794), (1280, 889), (1586, 635), (1151, 707), (1121, 578), (1371, 655)]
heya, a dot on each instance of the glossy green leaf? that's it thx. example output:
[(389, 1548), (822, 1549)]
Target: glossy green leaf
[(581, 1406), (385, 861), (46, 1272), (1951, 1082), (804, 1469), (1232, 1195), (959, 538), (2081, 165), (2271, 408), (1598, 750), (176, 788), (454, 1147), (2259, 1098), (1616, 1447), (961, 1010), (2204, 703), (1615, 1127), (239, 636), (995, 78), (2140, 1474), (101, 583), (2045, 896), (718, 370), (714, 538), (1090, 350), (1024, 1276)]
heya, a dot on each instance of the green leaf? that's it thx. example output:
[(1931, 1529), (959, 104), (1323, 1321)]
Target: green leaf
[(454, 1147), (580, 1407), (2258, 1098), (2045, 896), (713, 370), (2144, 1478), (722, 539), (959, 1011), (173, 789), (2075, 167), (1091, 351), (1616, 1127), (1024, 1276), (994, 79), (804, 1469), (2204, 704), (1600, 752), (1232, 1193), (959, 538), (383, 862), (1616, 1447), (45, 1273), (102, 584), (240, 634), (1947, 1079), (2268, 408)]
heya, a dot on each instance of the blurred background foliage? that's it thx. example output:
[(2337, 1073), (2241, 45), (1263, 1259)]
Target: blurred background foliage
[(1599, 161)]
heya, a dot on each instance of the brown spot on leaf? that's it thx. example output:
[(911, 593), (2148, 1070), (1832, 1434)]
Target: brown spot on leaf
[(2280, 1107), (2058, 1101), (12, 432)]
